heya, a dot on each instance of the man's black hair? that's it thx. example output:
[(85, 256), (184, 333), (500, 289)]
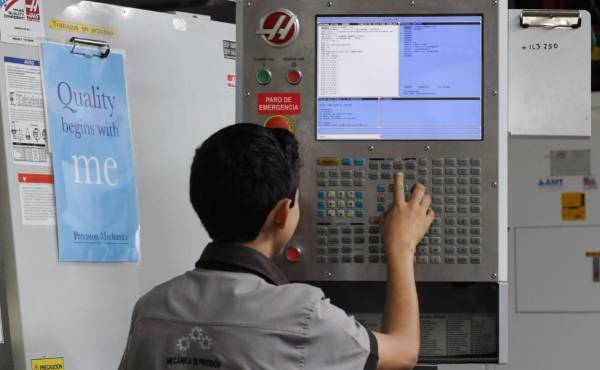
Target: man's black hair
[(238, 175)]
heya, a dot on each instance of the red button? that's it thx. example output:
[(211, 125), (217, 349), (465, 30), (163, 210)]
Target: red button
[(294, 76), (281, 122), (293, 254)]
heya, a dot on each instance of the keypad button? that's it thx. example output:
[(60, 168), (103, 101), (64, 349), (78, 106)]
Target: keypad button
[(437, 190), (450, 180), (359, 174), (346, 240), (437, 181), (475, 180), (341, 213), (437, 161), (450, 161), (381, 188), (341, 204), (437, 221), (374, 249), (462, 162), (462, 250), (386, 176), (463, 200), (331, 194), (359, 182), (373, 259), (359, 240), (333, 241), (322, 240), (450, 250), (450, 190), (450, 241), (359, 204), (435, 260), (360, 214), (333, 250), (321, 182), (451, 221), (334, 173), (398, 165), (475, 231), (321, 231), (359, 161), (321, 174), (437, 171), (475, 209), (463, 209), (475, 250), (475, 260), (331, 203), (358, 231), (475, 162), (450, 260), (410, 165), (333, 182), (463, 181), (437, 200), (333, 231), (351, 194), (411, 176), (423, 161), (463, 231), (462, 260), (374, 220), (350, 204), (373, 229), (322, 214), (347, 173), (381, 208), (422, 260), (373, 239), (333, 259), (346, 182), (475, 171), (359, 259), (321, 205), (463, 221), (346, 161), (476, 200), (373, 165), (450, 200), (423, 181), (386, 166), (475, 221), (346, 250), (463, 172), (450, 171), (436, 240), (350, 213), (321, 251), (422, 250), (346, 259), (476, 190), (436, 250), (423, 171), (322, 195), (424, 241), (450, 231), (476, 240), (373, 176), (463, 190), (436, 231), (438, 209), (463, 241)]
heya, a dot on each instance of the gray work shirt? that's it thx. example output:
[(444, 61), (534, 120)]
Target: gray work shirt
[(236, 310)]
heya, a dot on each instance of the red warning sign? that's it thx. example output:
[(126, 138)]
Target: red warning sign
[(278, 103)]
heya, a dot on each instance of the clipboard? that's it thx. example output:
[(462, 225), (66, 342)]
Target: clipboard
[(549, 73)]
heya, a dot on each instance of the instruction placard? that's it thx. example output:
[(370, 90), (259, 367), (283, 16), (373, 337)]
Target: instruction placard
[(37, 199), (573, 206), (57, 363), (458, 334), (26, 111), (21, 22)]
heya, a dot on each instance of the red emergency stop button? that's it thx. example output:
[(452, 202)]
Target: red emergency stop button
[(282, 122), (294, 76), (293, 254)]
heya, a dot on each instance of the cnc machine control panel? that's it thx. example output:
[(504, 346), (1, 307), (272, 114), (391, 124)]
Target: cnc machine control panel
[(370, 90)]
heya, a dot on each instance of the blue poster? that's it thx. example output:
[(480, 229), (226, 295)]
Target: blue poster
[(92, 156)]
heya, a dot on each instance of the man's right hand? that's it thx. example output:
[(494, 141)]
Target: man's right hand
[(405, 223)]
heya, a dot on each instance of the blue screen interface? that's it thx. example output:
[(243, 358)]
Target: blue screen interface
[(399, 78)]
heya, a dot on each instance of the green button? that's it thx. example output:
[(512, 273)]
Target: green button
[(263, 76)]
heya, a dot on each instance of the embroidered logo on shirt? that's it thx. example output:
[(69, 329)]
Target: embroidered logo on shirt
[(197, 336)]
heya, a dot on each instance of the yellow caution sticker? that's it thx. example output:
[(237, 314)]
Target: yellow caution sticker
[(573, 206), (57, 363), (55, 24), (592, 254)]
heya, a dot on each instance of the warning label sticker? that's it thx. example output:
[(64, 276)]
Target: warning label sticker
[(37, 199), (573, 206), (48, 364), (278, 103)]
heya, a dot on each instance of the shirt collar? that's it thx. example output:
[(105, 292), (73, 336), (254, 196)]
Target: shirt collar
[(234, 257)]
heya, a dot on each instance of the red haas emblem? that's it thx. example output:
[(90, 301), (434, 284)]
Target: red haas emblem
[(279, 27), (32, 10)]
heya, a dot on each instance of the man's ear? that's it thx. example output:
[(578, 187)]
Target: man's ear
[(282, 211)]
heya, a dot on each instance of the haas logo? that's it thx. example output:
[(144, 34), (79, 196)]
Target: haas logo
[(279, 27)]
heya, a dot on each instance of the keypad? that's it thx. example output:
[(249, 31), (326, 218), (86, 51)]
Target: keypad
[(454, 184)]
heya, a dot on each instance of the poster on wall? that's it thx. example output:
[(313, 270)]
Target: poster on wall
[(22, 21), (92, 156), (26, 111)]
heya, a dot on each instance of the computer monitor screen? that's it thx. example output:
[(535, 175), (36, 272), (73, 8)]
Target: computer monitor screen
[(399, 78)]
